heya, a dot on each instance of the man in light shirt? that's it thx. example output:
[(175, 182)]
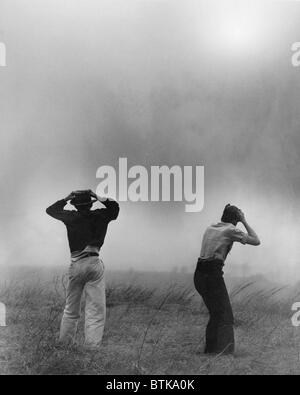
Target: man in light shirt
[(217, 242)]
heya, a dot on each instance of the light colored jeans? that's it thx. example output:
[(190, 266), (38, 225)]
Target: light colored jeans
[(85, 275)]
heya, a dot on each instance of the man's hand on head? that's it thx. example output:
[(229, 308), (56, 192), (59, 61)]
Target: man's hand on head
[(93, 194), (242, 218), (252, 237), (70, 196), (99, 198)]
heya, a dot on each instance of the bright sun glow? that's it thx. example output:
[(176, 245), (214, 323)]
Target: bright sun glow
[(237, 28), (237, 33)]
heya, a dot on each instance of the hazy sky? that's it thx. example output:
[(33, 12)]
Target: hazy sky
[(161, 83)]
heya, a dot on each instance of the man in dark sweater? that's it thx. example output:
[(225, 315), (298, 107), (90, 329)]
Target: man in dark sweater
[(86, 230)]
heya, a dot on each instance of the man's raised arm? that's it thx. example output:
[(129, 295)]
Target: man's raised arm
[(252, 237), (57, 211), (112, 207)]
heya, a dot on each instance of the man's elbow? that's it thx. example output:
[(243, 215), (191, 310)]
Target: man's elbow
[(253, 241), (50, 211), (115, 213)]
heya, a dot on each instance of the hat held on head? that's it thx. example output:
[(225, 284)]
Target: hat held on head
[(82, 198)]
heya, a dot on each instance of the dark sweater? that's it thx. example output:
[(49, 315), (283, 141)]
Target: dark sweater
[(85, 228)]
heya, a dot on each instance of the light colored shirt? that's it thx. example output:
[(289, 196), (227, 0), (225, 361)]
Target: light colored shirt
[(218, 240)]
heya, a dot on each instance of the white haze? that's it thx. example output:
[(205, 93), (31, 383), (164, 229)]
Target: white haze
[(158, 82)]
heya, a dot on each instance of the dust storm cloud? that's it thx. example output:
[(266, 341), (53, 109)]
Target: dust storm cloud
[(90, 81)]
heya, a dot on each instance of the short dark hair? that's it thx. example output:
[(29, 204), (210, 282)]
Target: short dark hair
[(230, 214)]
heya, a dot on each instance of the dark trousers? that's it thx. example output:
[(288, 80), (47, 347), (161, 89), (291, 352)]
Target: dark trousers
[(209, 283)]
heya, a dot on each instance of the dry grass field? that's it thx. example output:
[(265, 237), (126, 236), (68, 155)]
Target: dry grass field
[(155, 325)]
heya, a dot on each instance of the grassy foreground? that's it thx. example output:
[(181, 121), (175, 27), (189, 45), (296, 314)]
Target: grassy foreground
[(153, 327)]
